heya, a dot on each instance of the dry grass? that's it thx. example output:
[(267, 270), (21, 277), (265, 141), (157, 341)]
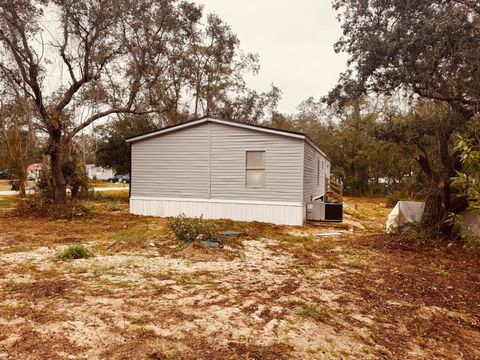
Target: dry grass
[(100, 184), (7, 202), (5, 185), (275, 292)]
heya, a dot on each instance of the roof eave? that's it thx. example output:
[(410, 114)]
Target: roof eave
[(218, 121)]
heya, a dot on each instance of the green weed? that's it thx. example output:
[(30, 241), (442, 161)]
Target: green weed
[(311, 312), (74, 252)]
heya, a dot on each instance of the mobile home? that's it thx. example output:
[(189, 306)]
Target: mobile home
[(226, 169)]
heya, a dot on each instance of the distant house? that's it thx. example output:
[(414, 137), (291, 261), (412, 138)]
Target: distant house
[(225, 169), (98, 172), (33, 171)]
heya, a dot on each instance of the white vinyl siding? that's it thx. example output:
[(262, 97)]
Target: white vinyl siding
[(271, 212), (209, 161), (283, 165), (173, 165), (204, 169), (316, 168)]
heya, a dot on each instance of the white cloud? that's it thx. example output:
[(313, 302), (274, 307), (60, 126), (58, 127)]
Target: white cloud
[(294, 40)]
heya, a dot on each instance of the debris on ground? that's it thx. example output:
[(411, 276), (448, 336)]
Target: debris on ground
[(272, 292)]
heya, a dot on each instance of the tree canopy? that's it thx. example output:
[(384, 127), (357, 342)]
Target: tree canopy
[(121, 58), (428, 51), (112, 150), (425, 47)]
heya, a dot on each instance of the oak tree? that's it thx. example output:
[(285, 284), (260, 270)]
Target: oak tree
[(425, 49), (120, 57)]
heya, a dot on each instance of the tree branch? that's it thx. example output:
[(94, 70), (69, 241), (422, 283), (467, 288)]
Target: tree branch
[(102, 114), (25, 61)]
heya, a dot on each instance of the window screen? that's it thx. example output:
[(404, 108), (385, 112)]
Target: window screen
[(255, 169)]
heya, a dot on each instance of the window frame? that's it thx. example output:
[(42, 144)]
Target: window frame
[(264, 169), (318, 172)]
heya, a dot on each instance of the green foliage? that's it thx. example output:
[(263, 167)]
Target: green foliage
[(112, 149), (192, 229), (395, 49), (462, 230), (467, 181), (405, 193), (422, 232), (314, 313), (394, 198), (393, 45), (365, 163), (44, 186), (95, 195), (74, 252), (75, 174)]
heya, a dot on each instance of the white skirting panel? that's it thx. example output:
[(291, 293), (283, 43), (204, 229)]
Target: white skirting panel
[(270, 212)]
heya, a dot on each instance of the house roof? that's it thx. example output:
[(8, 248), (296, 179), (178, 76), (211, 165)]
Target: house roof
[(168, 129), (34, 167)]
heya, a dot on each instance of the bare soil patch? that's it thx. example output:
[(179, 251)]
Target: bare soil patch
[(273, 293)]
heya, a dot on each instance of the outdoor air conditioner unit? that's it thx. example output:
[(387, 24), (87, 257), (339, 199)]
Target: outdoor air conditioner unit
[(324, 211)]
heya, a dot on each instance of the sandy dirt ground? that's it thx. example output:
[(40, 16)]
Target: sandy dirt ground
[(272, 293)]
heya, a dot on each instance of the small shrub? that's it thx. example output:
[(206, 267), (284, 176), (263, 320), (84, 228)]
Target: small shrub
[(464, 231), (394, 198), (421, 232), (95, 195), (7, 202), (354, 262), (37, 206), (440, 268), (314, 313), (44, 187), (74, 252), (112, 205), (105, 196), (72, 211), (192, 229), (209, 229)]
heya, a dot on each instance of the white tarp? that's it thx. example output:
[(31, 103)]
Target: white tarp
[(471, 221), (403, 213)]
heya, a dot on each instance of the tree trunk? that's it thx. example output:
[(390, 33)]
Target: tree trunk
[(434, 213), (197, 95), (59, 183), (22, 175), (440, 202), (75, 188), (22, 187)]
